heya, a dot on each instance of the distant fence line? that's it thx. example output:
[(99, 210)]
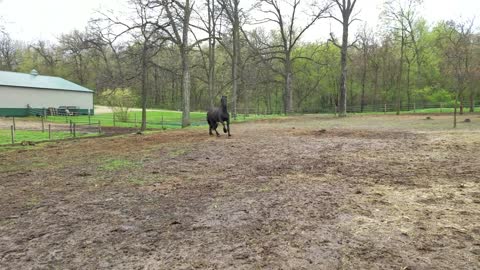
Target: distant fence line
[(26, 131), (50, 127), (367, 108)]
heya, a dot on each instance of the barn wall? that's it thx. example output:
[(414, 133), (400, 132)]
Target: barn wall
[(14, 100)]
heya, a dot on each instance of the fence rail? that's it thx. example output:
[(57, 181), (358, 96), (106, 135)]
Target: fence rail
[(26, 131), (43, 127)]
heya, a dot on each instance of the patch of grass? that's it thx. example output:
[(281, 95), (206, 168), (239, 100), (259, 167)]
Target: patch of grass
[(118, 164), (178, 152), (32, 202), (158, 119), (155, 119), (8, 148), (35, 136), (264, 189), (138, 181)]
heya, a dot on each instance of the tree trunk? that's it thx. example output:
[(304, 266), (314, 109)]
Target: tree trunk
[(375, 88), (235, 59), (364, 78), (184, 51), (342, 112), (408, 87), (400, 75), (472, 101), (211, 53), (455, 111), (144, 88), (185, 89), (288, 85)]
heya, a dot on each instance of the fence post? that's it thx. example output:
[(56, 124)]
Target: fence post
[(385, 108), (99, 127), (74, 130), (113, 119), (49, 132), (71, 131), (12, 128), (89, 119), (43, 124), (14, 125)]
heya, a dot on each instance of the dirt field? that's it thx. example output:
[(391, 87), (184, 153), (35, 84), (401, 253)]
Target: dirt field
[(371, 192)]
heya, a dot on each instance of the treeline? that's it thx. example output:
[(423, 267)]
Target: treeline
[(177, 55)]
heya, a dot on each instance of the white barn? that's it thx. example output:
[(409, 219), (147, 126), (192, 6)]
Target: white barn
[(21, 94)]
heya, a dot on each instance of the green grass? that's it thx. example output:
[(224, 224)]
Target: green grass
[(34, 136), (155, 119), (417, 111)]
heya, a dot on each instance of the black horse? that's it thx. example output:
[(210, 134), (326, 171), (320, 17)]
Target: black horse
[(219, 115)]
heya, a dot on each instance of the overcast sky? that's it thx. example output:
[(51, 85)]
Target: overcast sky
[(31, 20)]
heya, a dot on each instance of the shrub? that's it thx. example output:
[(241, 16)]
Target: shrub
[(120, 100)]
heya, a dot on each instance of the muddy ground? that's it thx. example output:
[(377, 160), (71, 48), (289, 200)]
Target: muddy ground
[(376, 192)]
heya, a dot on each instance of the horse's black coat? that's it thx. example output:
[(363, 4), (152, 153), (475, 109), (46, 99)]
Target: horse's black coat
[(219, 115)]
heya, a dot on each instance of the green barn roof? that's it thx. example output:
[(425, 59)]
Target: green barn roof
[(33, 80)]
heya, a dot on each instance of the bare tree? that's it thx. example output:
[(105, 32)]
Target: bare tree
[(365, 39), (47, 52), (290, 34), (402, 14), (103, 39), (145, 29), (209, 25), (75, 46), (346, 8), (456, 45), (8, 51), (232, 11), (178, 15)]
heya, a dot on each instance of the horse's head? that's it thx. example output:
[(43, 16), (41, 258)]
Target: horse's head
[(224, 101)]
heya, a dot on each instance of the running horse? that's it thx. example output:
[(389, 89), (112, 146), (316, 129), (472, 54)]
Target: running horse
[(219, 115)]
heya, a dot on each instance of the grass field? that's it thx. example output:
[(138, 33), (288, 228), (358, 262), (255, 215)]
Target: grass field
[(35, 136), (302, 192), (155, 119), (417, 111)]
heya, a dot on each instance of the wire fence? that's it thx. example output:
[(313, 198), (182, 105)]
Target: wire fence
[(385, 108), (42, 126), (14, 130)]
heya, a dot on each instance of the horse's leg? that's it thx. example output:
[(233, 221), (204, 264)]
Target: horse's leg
[(215, 128), (228, 128), (210, 128), (224, 128)]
